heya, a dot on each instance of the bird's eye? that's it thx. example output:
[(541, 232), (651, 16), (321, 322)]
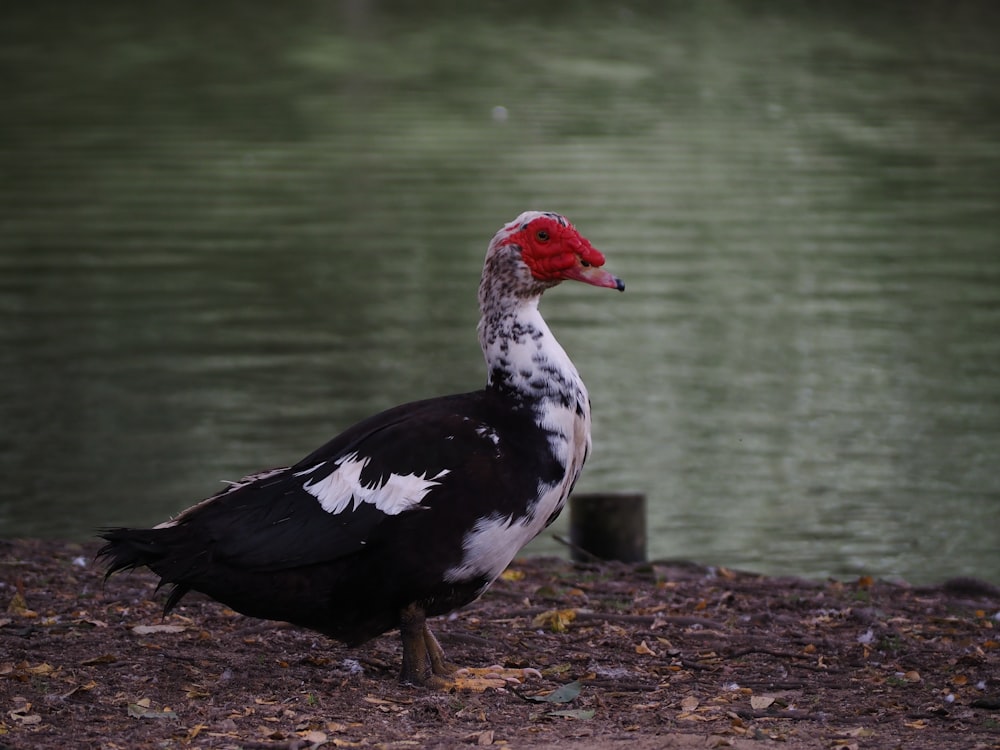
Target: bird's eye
[(542, 236), (584, 263)]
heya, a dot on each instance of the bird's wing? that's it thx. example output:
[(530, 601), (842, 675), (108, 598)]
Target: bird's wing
[(430, 457)]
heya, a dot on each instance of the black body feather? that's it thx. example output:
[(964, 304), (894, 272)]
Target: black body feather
[(267, 548)]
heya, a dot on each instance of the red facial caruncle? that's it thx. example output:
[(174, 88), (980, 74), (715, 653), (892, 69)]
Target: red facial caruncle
[(554, 251)]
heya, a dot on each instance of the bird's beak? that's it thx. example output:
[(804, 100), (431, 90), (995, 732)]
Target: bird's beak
[(595, 276)]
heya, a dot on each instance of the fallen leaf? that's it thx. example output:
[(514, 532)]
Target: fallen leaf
[(644, 650), (694, 717), (761, 701), (22, 714), (858, 732), (512, 575), (918, 724), (78, 688), (89, 622), (17, 604), (557, 669), (555, 620), (138, 711), (484, 738), (41, 670), (26, 719), (565, 694), (152, 629), (690, 703), (582, 714), (102, 659), (194, 731), (381, 701)]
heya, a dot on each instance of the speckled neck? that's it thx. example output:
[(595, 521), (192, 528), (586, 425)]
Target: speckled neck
[(522, 355)]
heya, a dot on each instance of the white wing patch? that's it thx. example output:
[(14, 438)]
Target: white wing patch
[(393, 495), (488, 432), (489, 547)]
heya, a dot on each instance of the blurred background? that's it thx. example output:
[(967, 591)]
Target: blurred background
[(229, 230)]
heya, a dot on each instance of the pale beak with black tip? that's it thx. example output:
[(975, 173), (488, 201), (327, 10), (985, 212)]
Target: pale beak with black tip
[(595, 276)]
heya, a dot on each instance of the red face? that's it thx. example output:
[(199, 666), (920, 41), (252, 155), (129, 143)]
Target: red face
[(555, 251)]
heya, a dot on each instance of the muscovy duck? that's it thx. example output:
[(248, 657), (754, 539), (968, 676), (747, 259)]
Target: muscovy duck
[(415, 511)]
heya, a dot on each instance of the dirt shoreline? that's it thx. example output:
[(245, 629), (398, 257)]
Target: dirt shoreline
[(664, 655)]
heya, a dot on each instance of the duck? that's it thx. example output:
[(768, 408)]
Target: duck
[(413, 512)]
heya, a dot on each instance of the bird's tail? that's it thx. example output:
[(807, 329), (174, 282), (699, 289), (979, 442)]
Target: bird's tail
[(128, 549)]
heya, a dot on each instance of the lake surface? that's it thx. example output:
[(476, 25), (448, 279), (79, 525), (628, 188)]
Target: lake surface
[(229, 231)]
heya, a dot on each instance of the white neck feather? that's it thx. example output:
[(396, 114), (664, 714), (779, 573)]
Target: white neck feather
[(521, 353)]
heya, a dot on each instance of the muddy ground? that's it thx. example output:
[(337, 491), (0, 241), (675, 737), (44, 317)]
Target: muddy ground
[(651, 656)]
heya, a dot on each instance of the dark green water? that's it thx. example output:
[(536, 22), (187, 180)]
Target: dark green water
[(227, 231)]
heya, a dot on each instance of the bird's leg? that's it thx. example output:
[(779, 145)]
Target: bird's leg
[(424, 663), (435, 654), (416, 659), (423, 658)]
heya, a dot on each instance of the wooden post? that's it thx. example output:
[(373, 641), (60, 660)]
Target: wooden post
[(609, 526)]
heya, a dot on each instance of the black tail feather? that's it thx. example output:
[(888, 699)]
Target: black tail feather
[(128, 549), (176, 594)]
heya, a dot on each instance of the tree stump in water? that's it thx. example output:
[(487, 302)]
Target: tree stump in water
[(608, 526)]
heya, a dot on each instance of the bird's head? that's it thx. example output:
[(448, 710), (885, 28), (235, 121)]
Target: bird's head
[(547, 249)]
